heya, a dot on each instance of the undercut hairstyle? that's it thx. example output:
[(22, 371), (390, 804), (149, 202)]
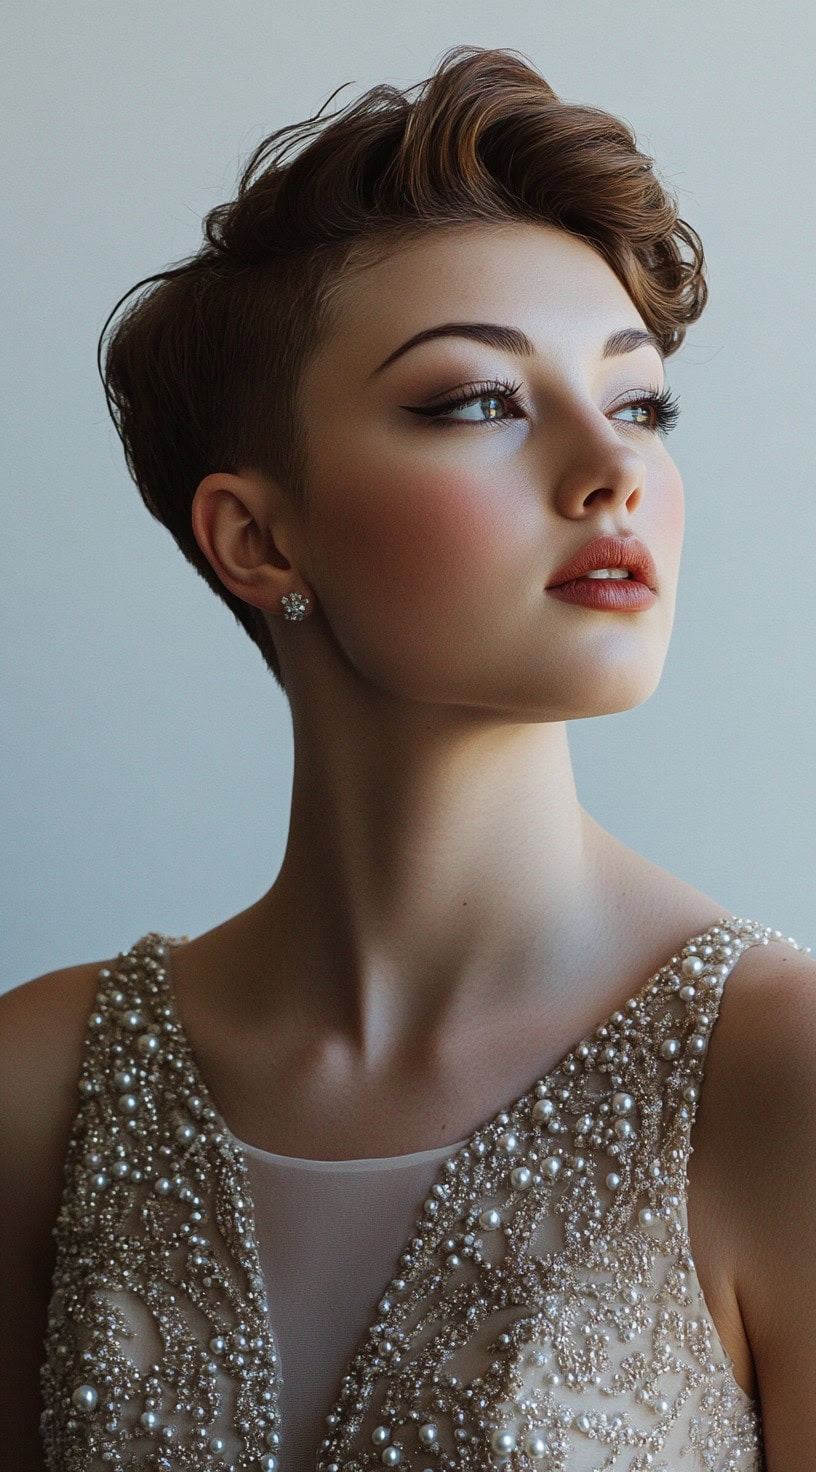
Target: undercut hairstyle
[(203, 370)]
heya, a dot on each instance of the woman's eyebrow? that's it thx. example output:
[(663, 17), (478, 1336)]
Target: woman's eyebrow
[(513, 340)]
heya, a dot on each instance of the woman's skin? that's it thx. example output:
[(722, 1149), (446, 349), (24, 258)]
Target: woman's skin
[(448, 921), (445, 905)]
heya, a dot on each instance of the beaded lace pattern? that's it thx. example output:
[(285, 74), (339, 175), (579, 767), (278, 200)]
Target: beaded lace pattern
[(546, 1314)]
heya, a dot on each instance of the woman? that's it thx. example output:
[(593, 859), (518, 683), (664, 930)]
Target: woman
[(392, 1168)]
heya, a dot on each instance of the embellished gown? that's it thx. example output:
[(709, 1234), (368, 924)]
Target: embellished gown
[(524, 1299)]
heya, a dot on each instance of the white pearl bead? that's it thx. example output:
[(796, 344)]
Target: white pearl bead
[(428, 1434), (128, 1104), (613, 1180), (509, 1142), (216, 1444), (670, 1048), (490, 1219), (624, 1129), (150, 1420), (391, 1456), (535, 1445), (503, 1441), (692, 966), (582, 1422), (269, 1462), (380, 1435), (85, 1397), (521, 1176), (543, 1109), (148, 1044), (552, 1166), (646, 1217), (622, 1103)]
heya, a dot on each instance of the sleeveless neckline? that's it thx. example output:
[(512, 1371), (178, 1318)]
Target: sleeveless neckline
[(449, 1157), (295, 1162), (529, 1235), (443, 1152)]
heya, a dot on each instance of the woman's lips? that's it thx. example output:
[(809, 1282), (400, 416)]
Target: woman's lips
[(620, 595)]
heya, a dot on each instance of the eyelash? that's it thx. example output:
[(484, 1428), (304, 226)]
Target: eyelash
[(664, 404)]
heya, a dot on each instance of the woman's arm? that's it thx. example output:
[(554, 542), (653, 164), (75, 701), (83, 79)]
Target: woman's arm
[(766, 1089), (42, 1025)]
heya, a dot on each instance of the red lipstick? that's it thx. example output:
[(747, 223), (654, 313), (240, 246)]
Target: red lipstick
[(570, 583)]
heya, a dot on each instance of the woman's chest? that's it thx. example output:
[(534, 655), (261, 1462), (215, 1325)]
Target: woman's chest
[(544, 1293)]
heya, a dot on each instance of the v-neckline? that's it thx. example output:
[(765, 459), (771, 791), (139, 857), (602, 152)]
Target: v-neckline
[(446, 1164), (171, 943)]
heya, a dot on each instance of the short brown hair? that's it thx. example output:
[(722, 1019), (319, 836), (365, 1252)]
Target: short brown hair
[(202, 372)]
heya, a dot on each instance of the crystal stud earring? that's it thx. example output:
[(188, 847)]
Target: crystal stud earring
[(294, 605)]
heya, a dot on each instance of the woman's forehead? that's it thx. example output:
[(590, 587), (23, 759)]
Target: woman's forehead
[(553, 287)]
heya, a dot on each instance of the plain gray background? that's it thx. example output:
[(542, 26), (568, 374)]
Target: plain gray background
[(147, 753)]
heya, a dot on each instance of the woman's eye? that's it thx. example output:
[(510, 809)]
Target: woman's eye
[(491, 404), (481, 403), (656, 411), (639, 409), (497, 402)]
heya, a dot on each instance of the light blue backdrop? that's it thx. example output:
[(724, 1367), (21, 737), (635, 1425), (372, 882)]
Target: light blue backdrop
[(148, 756)]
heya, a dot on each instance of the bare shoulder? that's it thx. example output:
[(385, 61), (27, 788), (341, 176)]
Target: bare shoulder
[(760, 1089), (42, 1029)]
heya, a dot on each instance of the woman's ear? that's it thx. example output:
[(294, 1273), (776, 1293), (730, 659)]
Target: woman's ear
[(244, 531)]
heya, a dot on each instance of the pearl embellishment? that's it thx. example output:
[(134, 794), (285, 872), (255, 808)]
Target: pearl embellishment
[(503, 1441), (85, 1397), (153, 1155)]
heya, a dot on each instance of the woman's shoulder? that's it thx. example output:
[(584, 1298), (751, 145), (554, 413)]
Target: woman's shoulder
[(42, 1029), (759, 1107), (43, 1023)]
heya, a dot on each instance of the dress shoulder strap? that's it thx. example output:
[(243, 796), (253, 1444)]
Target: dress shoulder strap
[(158, 1310), (681, 1011)]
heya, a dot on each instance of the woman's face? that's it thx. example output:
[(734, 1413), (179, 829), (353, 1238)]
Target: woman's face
[(432, 539)]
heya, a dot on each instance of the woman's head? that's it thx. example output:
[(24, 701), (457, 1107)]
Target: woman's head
[(251, 365)]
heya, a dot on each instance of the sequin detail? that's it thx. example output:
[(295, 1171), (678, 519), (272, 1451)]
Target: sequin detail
[(546, 1314)]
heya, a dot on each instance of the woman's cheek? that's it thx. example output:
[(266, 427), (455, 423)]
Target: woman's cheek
[(413, 536)]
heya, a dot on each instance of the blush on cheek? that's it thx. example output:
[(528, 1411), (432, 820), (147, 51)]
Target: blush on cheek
[(413, 537)]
